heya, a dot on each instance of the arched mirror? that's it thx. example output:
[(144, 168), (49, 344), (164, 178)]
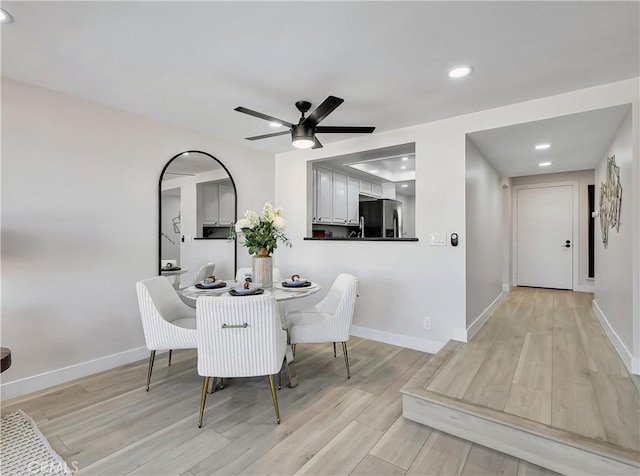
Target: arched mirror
[(198, 206)]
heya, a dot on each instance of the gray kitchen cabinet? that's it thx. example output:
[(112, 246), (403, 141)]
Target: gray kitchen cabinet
[(353, 201), (339, 199), (365, 187), (324, 204), (218, 201)]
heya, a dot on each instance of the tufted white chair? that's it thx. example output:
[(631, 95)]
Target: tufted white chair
[(329, 320), (204, 272), (239, 337), (168, 323), (242, 271)]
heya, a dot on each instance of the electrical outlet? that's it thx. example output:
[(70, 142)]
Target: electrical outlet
[(427, 323)]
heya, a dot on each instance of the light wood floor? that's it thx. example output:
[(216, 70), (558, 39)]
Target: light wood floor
[(109, 425), (544, 356)]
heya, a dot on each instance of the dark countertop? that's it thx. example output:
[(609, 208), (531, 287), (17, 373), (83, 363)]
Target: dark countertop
[(311, 238)]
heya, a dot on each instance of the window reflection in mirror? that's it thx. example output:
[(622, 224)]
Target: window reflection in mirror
[(368, 194), (197, 209)]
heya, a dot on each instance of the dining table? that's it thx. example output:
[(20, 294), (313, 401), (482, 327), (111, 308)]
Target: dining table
[(282, 293), (173, 275)]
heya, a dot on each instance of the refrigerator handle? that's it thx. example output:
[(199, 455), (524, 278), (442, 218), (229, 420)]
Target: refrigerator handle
[(361, 225)]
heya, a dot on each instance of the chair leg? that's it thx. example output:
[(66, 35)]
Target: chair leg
[(274, 395), (170, 352), (203, 400), (280, 379), (151, 359), (221, 383), (213, 386), (346, 358), (293, 350)]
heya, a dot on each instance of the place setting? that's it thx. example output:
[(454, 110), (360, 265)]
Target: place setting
[(210, 285), (246, 289), (295, 283)]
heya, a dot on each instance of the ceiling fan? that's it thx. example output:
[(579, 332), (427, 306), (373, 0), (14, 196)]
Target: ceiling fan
[(303, 134)]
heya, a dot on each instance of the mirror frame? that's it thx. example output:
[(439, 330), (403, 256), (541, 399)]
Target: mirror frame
[(235, 212)]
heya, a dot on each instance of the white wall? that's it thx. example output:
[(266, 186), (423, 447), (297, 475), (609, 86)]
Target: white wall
[(80, 227), (614, 296), (484, 220), (583, 178), (400, 283)]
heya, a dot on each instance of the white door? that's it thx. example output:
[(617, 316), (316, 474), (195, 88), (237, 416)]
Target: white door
[(545, 237)]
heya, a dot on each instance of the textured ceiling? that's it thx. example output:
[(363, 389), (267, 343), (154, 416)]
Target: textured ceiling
[(191, 63)]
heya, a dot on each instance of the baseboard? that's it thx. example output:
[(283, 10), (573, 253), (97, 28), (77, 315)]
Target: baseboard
[(17, 388), (621, 349), (459, 334), (585, 288), (484, 316), (423, 345)]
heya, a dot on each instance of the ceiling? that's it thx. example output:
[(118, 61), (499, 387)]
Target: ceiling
[(577, 142), (192, 63)]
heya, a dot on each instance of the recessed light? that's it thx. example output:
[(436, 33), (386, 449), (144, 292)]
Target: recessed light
[(5, 17), (373, 171), (404, 167), (404, 185), (405, 158), (186, 153), (542, 146), (460, 71), (275, 124), (544, 164)]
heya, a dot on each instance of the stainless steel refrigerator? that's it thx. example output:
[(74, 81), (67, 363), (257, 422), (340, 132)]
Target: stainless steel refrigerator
[(382, 218)]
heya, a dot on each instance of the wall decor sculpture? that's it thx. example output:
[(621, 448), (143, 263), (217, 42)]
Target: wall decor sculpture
[(610, 200)]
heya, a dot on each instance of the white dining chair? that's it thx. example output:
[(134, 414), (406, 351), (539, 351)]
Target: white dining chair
[(167, 322), (242, 272), (329, 320), (239, 337), (204, 272)]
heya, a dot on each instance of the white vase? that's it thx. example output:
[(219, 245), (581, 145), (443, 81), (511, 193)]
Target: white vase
[(263, 270)]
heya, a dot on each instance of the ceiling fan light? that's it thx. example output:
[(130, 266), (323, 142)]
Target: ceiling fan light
[(302, 143), (302, 137)]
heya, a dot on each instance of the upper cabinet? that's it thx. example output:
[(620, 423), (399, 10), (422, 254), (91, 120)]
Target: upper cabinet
[(324, 196), (353, 201), (365, 187), (218, 203), (339, 198)]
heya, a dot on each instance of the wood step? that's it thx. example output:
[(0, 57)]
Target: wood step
[(551, 448)]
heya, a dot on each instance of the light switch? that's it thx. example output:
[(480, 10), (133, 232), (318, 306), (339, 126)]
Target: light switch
[(438, 239)]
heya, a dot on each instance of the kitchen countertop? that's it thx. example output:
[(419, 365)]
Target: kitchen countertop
[(312, 238)]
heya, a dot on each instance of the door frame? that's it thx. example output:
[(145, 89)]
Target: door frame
[(575, 231)]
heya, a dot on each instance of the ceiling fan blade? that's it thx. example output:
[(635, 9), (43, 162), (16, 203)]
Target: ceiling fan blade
[(317, 144), (323, 110), (343, 129), (262, 116), (265, 136)]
